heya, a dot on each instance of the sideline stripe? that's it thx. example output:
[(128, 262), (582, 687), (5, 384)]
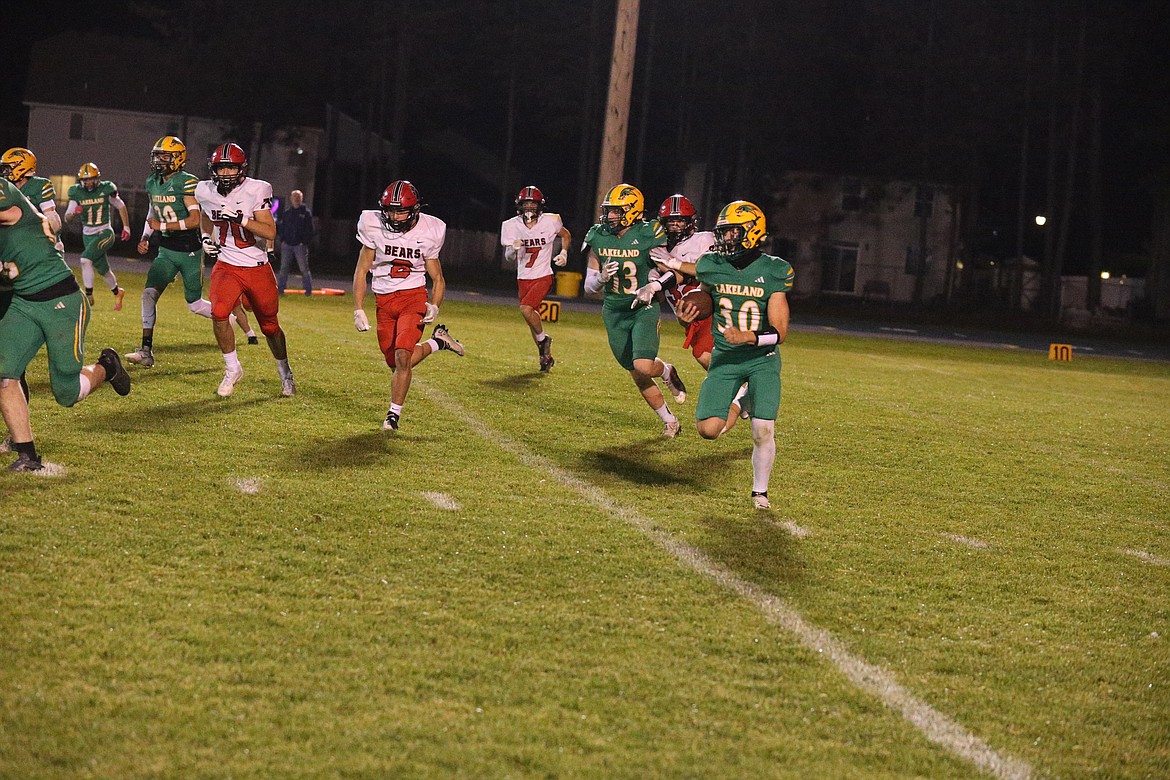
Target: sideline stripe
[(934, 725)]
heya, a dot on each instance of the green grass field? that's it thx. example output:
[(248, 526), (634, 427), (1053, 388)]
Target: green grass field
[(966, 572)]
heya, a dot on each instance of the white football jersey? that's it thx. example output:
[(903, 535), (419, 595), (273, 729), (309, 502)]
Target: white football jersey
[(238, 246), (400, 258), (533, 245), (689, 250)]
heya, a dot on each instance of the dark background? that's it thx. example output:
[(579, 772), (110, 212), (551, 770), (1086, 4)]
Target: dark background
[(928, 90)]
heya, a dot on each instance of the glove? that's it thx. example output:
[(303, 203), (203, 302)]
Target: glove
[(644, 295), (210, 248), (659, 255), (609, 270), (561, 259), (234, 216), (125, 234), (432, 312), (359, 320)]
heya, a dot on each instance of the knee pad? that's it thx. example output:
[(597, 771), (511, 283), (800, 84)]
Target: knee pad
[(149, 300)]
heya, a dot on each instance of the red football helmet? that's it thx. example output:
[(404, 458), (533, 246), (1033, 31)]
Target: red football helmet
[(679, 210), (533, 195), (401, 195), (228, 155)]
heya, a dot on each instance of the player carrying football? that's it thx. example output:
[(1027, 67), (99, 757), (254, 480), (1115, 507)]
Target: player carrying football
[(749, 289)]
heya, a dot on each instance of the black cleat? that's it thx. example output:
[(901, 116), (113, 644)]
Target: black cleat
[(26, 462), (391, 422), (115, 374), (253, 339)]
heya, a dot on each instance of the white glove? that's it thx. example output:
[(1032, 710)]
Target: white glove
[(609, 270), (238, 217), (659, 255), (359, 320), (210, 248), (561, 259), (432, 312), (645, 294)]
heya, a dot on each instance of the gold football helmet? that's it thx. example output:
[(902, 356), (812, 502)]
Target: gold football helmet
[(740, 225), (623, 206), (168, 155), (17, 163), (88, 175)]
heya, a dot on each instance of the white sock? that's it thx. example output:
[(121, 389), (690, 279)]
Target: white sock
[(85, 387), (396, 409), (251, 333), (232, 359), (283, 369), (763, 453), (434, 345), (202, 307), (664, 413), (112, 281), (87, 273), (541, 336)]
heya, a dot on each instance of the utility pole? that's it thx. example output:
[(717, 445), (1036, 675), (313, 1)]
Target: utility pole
[(617, 109)]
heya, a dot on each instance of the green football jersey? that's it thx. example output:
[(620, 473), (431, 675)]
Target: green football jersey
[(741, 296), (28, 252), (95, 203), (167, 202), (631, 250), (39, 190)]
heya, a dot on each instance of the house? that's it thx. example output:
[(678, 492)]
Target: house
[(865, 238)]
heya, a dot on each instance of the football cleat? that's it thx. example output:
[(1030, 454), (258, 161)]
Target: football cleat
[(253, 339), (671, 429), (391, 422), (118, 296), (25, 462), (545, 347), (228, 385), (546, 363), (288, 387), (143, 356), (674, 383), (760, 500), (446, 341), (89, 297), (115, 374)]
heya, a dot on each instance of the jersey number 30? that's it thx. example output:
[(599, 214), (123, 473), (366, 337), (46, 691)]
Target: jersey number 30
[(747, 318)]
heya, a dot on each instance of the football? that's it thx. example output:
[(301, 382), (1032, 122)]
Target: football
[(702, 301)]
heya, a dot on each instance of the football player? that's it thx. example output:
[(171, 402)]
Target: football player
[(94, 198), (19, 166), (46, 308), (236, 211), (619, 263), (529, 239), (175, 214), (400, 247), (750, 290), (684, 245)]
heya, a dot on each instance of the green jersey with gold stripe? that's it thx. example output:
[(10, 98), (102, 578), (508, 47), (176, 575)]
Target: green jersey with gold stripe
[(95, 204), (28, 252), (631, 251), (168, 204), (741, 297), (39, 190)]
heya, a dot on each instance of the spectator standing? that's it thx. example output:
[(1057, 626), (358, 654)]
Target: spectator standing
[(295, 230)]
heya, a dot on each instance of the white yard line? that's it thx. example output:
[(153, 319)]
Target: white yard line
[(875, 680), (249, 486), (443, 501), (1142, 555), (799, 532), (975, 544)]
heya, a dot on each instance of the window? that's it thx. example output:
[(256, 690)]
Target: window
[(852, 194), (81, 128), (924, 202), (839, 268)]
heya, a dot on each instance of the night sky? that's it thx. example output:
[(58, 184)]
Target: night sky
[(931, 90)]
